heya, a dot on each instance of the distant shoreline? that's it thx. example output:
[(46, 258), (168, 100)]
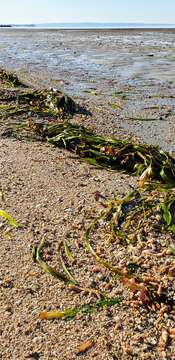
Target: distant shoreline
[(6, 26), (90, 26), (16, 26)]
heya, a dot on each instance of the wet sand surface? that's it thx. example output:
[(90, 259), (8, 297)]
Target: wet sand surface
[(130, 74), (126, 79)]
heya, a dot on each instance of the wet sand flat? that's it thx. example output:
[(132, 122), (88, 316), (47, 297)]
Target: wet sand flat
[(130, 74)]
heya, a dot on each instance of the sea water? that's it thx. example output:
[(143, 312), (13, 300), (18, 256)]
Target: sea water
[(105, 25)]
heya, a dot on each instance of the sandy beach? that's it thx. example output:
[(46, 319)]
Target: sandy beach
[(125, 81)]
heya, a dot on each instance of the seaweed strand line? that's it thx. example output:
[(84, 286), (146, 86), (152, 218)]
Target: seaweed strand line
[(149, 162)]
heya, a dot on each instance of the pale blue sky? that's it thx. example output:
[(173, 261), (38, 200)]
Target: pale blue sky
[(39, 11)]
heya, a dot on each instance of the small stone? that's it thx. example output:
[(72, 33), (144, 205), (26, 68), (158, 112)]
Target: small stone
[(35, 356)]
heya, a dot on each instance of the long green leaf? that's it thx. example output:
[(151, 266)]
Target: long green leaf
[(166, 214), (9, 218), (82, 309), (68, 251), (47, 268), (66, 270), (86, 239)]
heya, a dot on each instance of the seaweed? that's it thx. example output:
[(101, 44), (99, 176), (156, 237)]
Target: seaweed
[(9, 218), (87, 243), (40, 102), (47, 268), (132, 212), (68, 251), (145, 160), (9, 79), (151, 206), (67, 278), (114, 154), (64, 265), (120, 94), (24, 100), (168, 211), (81, 309), (50, 102)]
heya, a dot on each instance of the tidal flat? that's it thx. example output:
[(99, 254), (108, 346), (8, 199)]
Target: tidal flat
[(129, 75)]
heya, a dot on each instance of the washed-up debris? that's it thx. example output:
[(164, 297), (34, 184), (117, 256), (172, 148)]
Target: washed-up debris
[(9, 79), (68, 251), (66, 275), (82, 348), (81, 309), (115, 154), (51, 102), (126, 220), (128, 216), (23, 100), (39, 102), (67, 278), (145, 160), (67, 272), (9, 218)]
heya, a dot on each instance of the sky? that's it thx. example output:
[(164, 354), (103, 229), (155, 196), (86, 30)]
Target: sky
[(42, 11)]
